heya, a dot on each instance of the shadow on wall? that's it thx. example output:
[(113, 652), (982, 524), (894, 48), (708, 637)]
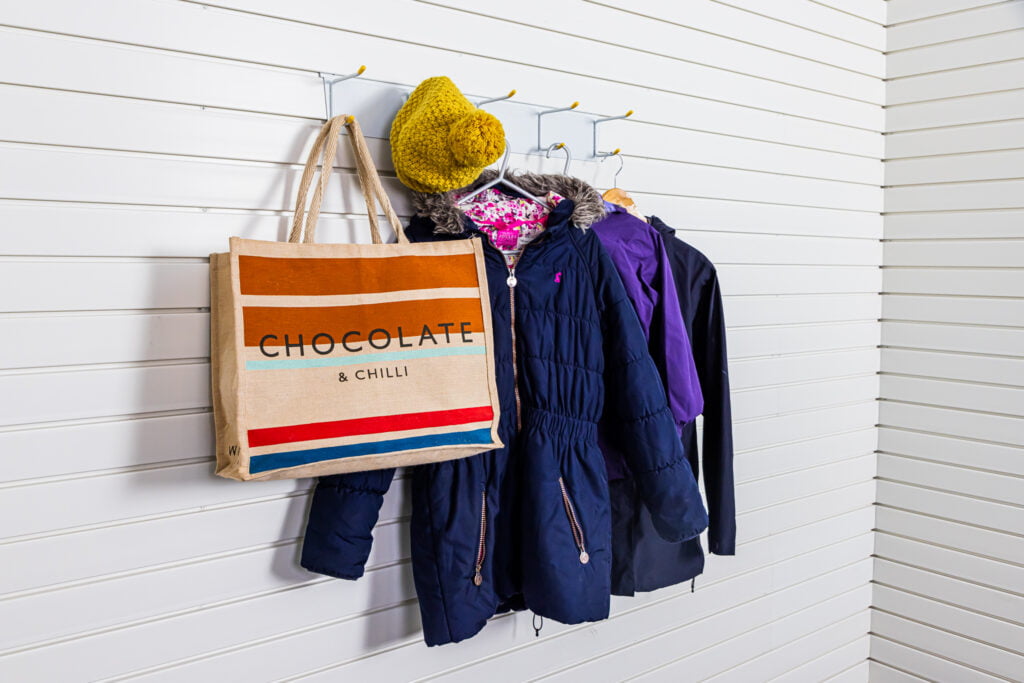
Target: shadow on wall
[(393, 621)]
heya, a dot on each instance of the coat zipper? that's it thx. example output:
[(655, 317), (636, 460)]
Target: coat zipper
[(511, 282), (482, 546), (574, 523)]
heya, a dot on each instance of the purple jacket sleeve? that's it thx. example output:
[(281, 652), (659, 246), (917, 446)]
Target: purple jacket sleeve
[(640, 257), (670, 345)]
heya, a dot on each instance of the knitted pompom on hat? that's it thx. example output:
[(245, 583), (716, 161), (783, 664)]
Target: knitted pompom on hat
[(441, 141)]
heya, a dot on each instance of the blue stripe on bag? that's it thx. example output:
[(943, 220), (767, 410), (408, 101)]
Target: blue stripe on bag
[(274, 461)]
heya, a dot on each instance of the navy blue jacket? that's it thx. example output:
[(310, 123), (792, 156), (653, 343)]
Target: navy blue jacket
[(528, 525), (643, 560)]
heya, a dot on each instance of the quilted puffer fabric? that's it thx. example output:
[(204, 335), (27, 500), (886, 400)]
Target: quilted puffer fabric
[(528, 526)]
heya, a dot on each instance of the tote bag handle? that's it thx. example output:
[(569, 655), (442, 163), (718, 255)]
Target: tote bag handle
[(324, 148)]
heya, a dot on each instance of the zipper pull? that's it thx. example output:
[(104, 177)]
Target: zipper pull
[(584, 557), (511, 281), (477, 578)]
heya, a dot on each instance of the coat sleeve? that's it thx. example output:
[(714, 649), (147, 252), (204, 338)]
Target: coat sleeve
[(339, 531), (712, 364), (637, 414), (670, 345)]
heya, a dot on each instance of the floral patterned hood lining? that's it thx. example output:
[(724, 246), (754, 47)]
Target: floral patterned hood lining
[(510, 222)]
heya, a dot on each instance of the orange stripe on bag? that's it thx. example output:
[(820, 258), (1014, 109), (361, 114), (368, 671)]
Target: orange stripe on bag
[(326, 276), (443, 317)]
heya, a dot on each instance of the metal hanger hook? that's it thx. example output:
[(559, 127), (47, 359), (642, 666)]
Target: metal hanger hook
[(568, 155), (503, 166), (622, 162)]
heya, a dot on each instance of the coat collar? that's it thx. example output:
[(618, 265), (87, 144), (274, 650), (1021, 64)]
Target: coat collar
[(584, 208)]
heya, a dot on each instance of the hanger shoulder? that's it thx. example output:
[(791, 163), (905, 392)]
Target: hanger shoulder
[(618, 196)]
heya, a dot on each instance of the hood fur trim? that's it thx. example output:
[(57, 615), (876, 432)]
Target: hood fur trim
[(450, 219)]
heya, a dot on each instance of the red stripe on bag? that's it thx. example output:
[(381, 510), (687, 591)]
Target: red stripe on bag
[(269, 436)]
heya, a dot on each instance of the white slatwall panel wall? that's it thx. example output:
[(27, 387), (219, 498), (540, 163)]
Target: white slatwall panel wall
[(949, 568), (137, 135)]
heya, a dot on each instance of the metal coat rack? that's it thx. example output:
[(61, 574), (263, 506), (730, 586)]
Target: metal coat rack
[(530, 129)]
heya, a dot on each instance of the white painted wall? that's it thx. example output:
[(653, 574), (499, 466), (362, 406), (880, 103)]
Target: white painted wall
[(137, 135), (949, 568)]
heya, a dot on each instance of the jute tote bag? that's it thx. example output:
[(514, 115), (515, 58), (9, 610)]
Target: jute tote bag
[(330, 358)]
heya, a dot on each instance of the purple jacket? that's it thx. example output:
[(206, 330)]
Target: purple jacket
[(638, 252)]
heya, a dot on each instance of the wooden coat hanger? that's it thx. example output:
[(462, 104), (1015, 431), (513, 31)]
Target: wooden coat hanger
[(620, 197)]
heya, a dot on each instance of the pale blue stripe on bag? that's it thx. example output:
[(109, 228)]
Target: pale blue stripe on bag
[(293, 363)]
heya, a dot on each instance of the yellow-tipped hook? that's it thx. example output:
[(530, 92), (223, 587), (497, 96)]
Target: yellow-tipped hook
[(497, 99), (331, 80), (542, 114), (602, 120)]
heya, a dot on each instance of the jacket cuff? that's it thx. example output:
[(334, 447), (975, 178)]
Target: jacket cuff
[(671, 496), (722, 547)]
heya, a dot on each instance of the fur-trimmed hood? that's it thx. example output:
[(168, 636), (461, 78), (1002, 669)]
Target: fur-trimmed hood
[(450, 219)]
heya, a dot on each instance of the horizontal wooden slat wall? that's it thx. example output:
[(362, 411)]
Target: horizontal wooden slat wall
[(949, 565), (137, 135)]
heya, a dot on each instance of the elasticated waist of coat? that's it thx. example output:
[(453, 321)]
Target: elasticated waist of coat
[(570, 427)]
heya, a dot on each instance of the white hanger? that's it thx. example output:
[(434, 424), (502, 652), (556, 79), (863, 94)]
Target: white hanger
[(502, 180)]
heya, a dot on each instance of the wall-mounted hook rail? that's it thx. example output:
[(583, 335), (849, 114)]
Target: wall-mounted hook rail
[(568, 155), (374, 103), (330, 80), (510, 95), (602, 120), (542, 114)]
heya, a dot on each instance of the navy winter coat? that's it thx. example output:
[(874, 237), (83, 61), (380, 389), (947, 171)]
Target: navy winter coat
[(643, 560), (528, 525)]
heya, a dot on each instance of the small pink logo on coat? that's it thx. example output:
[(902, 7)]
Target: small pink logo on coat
[(558, 277)]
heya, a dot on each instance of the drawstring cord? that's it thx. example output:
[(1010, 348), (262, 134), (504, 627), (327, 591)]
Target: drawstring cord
[(536, 628)]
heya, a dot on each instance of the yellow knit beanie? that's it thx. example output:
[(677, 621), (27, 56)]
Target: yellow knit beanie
[(441, 141)]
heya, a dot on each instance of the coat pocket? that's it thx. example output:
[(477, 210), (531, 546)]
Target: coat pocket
[(574, 522)]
